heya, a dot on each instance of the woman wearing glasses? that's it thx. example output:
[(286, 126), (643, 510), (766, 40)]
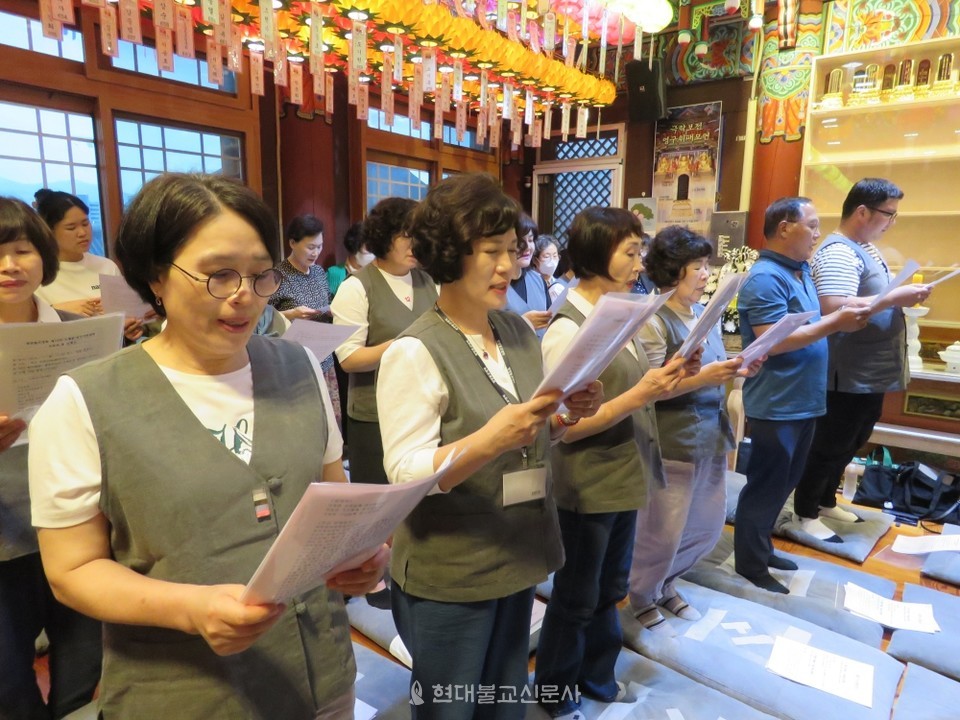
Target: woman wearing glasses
[(161, 476)]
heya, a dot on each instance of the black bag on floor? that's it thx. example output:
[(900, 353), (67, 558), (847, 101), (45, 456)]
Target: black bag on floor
[(879, 479), (914, 488)]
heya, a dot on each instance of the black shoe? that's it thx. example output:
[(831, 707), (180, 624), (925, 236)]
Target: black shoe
[(769, 583), (781, 563), (379, 599)]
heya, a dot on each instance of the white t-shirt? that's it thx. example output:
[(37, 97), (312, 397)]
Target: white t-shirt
[(411, 399), (350, 306), (78, 280), (65, 470)]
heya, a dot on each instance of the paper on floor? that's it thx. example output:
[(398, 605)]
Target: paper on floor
[(889, 613), (826, 671)]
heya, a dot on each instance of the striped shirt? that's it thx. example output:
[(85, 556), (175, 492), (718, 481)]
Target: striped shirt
[(837, 269)]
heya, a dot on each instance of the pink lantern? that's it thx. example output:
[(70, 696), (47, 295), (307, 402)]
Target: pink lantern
[(613, 27)]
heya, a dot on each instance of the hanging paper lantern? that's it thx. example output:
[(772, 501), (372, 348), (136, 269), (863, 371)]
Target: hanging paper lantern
[(651, 16), (755, 22), (684, 37), (700, 49), (731, 6), (613, 27)]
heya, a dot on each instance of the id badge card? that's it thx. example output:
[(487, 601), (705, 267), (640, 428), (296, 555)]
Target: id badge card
[(524, 485)]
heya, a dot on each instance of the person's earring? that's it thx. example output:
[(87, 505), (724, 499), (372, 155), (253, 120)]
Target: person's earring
[(159, 300)]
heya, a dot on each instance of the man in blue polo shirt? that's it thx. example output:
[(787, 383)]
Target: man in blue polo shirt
[(783, 401)]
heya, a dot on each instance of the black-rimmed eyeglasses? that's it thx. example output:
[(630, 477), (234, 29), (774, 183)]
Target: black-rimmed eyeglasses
[(891, 214), (226, 283)]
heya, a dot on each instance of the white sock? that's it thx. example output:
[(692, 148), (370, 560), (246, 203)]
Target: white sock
[(838, 513), (813, 526)]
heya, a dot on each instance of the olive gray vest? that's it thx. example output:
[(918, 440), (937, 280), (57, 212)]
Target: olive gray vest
[(387, 318), (612, 470), (872, 360), (181, 509), (17, 536), (693, 425), (536, 295), (464, 545)]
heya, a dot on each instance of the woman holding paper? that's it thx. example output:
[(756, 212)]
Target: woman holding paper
[(28, 259), (683, 520), (152, 515), (77, 286), (460, 381), (304, 292), (603, 468), (382, 300)]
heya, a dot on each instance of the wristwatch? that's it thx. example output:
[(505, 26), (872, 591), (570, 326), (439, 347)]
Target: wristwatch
[(567, 421)]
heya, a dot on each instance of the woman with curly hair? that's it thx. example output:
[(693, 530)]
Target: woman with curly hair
[(683, 520), (460, 381), (382, 299)]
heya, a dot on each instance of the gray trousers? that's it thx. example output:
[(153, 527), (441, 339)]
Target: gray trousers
[(680, 524)]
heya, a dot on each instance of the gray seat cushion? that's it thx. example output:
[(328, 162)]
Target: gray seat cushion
[(925, 695), (815, 590), (940, 651), (729, 647), (662, 693), (944, 566)]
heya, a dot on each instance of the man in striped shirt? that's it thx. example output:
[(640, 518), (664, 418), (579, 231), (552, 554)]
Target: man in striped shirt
[(848, 270)]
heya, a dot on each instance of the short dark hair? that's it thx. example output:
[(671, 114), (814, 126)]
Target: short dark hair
[(303, 226), (52, 205), (542, 242), (593, 238), (670, 251), (353, 239), (526, 224), (19, 221), (386, 220), (785, 208), (166, 213), (455, 213), (869, 192)]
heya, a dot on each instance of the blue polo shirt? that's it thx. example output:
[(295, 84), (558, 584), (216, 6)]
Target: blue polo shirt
[(793, 385)]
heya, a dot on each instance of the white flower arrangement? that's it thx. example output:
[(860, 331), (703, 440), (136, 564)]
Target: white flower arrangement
[(738, 260)]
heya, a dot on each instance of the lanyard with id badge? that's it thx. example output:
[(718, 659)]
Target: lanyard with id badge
[(529, 483)]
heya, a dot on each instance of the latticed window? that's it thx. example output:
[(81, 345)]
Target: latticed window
[(592, 147), (384, 180), (574, 174), (574, 191), (27, 34), (143, 59), (48, 148), (146, 150)]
